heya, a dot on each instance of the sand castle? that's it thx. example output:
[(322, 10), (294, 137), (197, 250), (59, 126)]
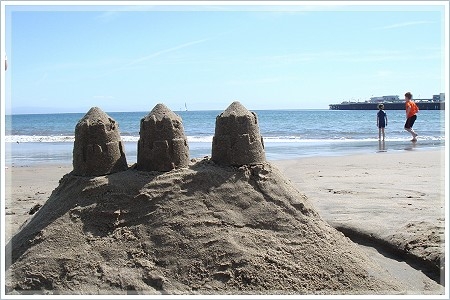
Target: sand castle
[(162, 144), (98, 148), (206, 228), (237, 140)]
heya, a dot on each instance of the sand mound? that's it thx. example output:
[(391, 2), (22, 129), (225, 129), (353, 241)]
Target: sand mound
[(204, 229)]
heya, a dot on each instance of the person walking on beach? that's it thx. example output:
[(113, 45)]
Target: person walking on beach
[(381, 121), (411, 110)]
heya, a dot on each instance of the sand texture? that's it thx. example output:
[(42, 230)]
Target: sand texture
[(204, 229), (396, 199)]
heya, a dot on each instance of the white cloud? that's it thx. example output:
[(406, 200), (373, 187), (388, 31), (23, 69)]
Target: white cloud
[(267, 80), (384, 73), (155, 54), (404, 24), (103, 97), (114, 12), (107, 16)]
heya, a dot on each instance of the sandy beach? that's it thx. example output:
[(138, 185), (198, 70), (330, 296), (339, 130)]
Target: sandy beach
[(396, 199)]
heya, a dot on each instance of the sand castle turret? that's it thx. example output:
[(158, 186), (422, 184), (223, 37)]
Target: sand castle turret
[(98, 148), (162, 144), (237, 140)]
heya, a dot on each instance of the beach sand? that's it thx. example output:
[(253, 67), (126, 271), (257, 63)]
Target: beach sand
[(393, 199)]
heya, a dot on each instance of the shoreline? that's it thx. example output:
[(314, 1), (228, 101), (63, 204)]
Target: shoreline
[(60, 153), (288, 166), (361, 195)]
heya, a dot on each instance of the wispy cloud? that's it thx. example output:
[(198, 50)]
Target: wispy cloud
[(42, 79), (115, 12), (103, 97), (158, 53), (265, 80), (107, 16), (384, 73), (403, 24), (347, 56), (137, 63)]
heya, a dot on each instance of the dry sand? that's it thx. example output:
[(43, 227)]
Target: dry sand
[(228, 231), (396, 199)]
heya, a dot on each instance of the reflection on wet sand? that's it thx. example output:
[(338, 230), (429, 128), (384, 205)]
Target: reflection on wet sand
[(381, 146), (411, 146)]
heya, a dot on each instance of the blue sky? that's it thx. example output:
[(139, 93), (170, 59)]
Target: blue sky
[(129, 58)]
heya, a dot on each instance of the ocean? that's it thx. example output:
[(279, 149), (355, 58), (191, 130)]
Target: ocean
[(287, 134)]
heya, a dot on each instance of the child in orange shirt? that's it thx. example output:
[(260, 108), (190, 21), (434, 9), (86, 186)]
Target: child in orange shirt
[(411, 110)]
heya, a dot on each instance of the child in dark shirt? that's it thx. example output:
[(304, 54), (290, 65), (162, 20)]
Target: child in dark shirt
[(381, 121)]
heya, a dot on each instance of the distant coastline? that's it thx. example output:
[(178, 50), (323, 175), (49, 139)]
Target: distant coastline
[(423, 105), (392, 102)]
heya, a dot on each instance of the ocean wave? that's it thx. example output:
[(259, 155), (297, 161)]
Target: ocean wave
[(208, 139), (38, 139)]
